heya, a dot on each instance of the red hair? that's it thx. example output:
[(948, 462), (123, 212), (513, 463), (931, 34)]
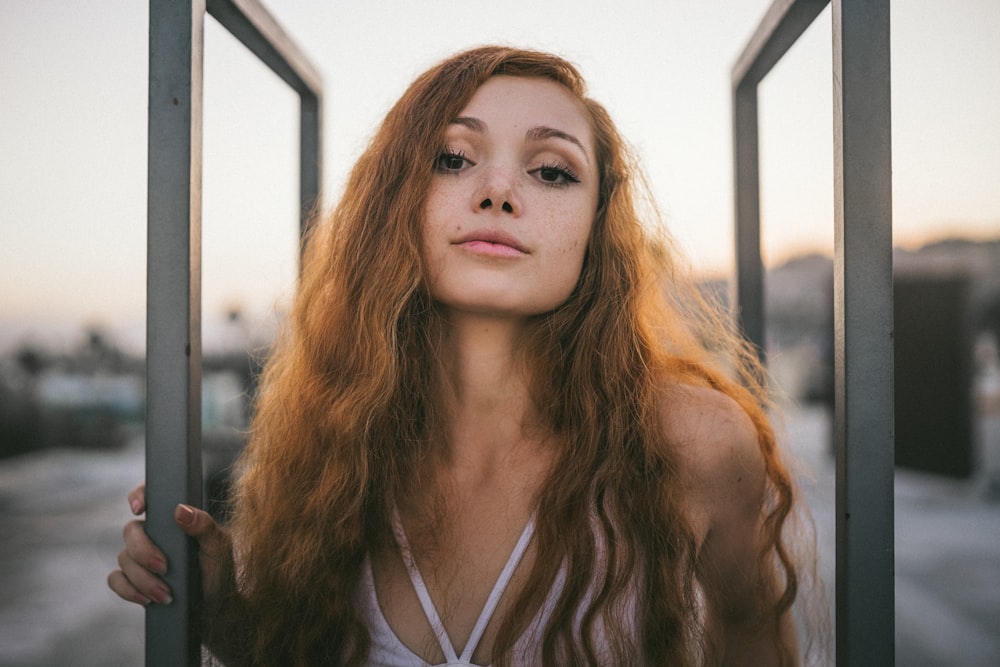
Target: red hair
[(348, 407)]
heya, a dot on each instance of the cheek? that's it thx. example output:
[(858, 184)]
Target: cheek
[(441, 213), (571, 248), (577, 248), (574, 236), (434, 221)]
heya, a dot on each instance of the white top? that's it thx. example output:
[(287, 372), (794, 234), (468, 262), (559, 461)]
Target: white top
[(387, 650)]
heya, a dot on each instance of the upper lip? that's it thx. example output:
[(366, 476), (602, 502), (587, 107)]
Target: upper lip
[(492, 236)]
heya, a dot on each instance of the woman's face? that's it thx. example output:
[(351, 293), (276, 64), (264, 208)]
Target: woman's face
[(512, 200)]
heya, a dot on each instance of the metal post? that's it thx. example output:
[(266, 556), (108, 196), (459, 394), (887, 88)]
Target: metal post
[(310, 159), (782, 25), (173, 319), (249, 22), (863, 421), (749, 266), (864, 409)]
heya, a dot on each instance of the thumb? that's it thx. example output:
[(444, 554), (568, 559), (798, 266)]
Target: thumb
[(196, 523), (215, 550)]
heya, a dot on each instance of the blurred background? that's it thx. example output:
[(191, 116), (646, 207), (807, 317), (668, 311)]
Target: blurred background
[(72, 261)]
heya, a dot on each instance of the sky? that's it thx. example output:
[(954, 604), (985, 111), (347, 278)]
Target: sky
[(73, 86)]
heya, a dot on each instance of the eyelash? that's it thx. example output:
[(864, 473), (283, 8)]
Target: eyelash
[(562, 171), (444, 157)]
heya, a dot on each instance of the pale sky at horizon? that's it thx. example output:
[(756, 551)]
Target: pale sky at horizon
[(73, 133)]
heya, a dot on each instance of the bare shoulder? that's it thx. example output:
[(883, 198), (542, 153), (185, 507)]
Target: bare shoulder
[(718, 455), (712, 433)]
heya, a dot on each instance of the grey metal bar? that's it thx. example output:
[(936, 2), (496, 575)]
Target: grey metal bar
[(173, 321), (254, 26), (310, 159), (864, 410), (782, 25), (749, 300), (863, 422), (173, 316), (256, 29)]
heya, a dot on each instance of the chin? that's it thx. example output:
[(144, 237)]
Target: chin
[(499, 308), (495, 300)]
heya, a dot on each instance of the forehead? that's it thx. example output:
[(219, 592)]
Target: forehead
[(529, 102)]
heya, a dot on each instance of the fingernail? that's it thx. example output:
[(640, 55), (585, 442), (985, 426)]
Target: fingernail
[(185, 515), (136, 506), (162, 595), (158, 565)]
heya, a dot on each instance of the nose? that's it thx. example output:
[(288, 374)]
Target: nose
[(498, 192), (487, 203)]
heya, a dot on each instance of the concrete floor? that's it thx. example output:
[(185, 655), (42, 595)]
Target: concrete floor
[(947, 548)]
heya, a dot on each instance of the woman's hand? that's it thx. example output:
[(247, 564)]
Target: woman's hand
[(141, 564)]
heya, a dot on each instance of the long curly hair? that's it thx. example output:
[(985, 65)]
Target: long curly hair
[(349, 403)]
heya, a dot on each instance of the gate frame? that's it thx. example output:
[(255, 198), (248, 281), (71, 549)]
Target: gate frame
[(863, 321), (173, 287)]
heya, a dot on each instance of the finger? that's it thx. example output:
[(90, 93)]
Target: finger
[(141, 549), (123, 588), (213, 542), (143, 581), (137, 499), (215, 553), (197, 523)]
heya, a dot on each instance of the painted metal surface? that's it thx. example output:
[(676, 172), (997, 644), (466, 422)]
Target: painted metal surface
[(257, 30), (781, 26), (863, 329), (864, 410), (173, 321), (173, 316), (749, 297)]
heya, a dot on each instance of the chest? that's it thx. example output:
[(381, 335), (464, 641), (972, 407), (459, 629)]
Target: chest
[(453, 590)]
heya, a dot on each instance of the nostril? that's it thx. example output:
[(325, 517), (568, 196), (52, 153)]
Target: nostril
[(486, 203), (507, 207)]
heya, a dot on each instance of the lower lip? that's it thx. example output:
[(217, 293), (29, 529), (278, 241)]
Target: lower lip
[(491, 249)]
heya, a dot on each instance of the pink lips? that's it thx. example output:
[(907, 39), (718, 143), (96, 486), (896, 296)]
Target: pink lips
[(492, 243)]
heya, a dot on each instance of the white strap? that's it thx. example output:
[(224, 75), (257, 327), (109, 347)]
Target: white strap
[(491, 602), (498, 589), (421, 589)]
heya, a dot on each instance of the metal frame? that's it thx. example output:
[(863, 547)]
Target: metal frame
[(863, 419), (173, 319)]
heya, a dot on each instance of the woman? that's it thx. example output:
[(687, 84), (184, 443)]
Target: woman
[(499, 427)]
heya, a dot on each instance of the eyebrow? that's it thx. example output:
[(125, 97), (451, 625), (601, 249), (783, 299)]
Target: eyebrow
[(539, 133)]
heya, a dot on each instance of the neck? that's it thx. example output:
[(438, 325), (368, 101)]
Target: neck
[(485, 394)]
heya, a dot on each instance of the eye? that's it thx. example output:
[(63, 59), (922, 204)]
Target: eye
[(450, 162), (556, 175)]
